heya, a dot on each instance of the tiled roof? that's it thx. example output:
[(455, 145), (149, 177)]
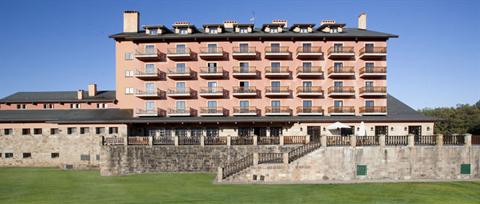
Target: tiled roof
[(58, 96), (104, 115)]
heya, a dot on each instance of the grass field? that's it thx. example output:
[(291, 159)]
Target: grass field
[(47, 185)]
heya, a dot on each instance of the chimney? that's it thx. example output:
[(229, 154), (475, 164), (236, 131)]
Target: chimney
[(229, 23), (362, 21), (327, 22), (92, 90), (283, 22), (131, 21), (80, 94)]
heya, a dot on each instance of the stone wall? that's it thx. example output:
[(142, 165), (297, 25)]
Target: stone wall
[(390, 163), (123, 160)]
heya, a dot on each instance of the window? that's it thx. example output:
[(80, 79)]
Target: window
[(337, 47), (180, 68), (212, 30), (303, 30), (307, 66), (338, 103), (369, 67), (97, 157), (150, 68), (212, 67), (71, 130), (243, 47), (212, 48), (181, 132), (150, 49), (181, 49), (27, 155), (307, 47), (369, 48), (150, 88), (54, 131), (7, 131), (273, 30), (212, 86), (369, 103), (99, 130), (153, 31), (84, 130), (368, 84), (101, 105), (129, 73), (25, 131), (128, 56), (212, 106), (334, 30), (243, 30), (275, 131), (275, 67), (47, 106), (180, 87), (275, 47), (244, 67), (113, 130), (212, 132), (196, 132), (129, 91), (55, 155), (75, 106), (21, 106), (275, 86), (183, 31), (244, 131), (37, 131), (180, 105), (85, 157), (307, 103), (338, 84), (149, 106), (8, 155), (244, 104)]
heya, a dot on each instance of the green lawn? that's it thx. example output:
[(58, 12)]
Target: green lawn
[(47, 185)]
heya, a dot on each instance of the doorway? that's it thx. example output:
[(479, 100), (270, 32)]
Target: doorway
[(314, 132), (381, 130)]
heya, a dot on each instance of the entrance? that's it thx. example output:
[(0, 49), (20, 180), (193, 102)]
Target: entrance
[(381, 130), (260, 131), (314, 132), (415, 130)]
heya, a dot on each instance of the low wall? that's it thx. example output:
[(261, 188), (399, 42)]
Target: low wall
[(123, 159), (397, 163)]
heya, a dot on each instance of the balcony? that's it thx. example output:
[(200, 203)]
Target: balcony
[(309, 72), (373, 110), (245, 111), (179, 54), (179, 112), (211, 92), (148, 54), (211, 73), (309, 110), (211, 53), (277, 91), (341, 91), (278, 111), (341, 53), (341, 72), (373, 72), (244, 52), (147, 112), (373, 53), (277, 72), (239, 91), (180, 74), (179, 93), (245, 72), (149, 93), (277, 52), (309, 91), (341, 110), (309, 52), (147, 74), (374, 91), (212, 111)]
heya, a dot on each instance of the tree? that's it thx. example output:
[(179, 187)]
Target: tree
[(461, 119)]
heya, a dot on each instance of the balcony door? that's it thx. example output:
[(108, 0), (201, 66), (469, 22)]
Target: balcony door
[(212, 48), (212, 67), (149, 49), (212, 87), (149, 106), (338, 86), (275, 106), (337, 67), (275, 67), (275, 131), (275, 86), (307, 86), (181, 68), (244, 67), (275, 47), (307, 67), (180, 106), (369, 67), (149, 68), (180, 87), (244, 106), (212, 106), (181, 49), (337, 104), (337, 47), (307, 106), (150, 88), (369, 48), (243, 48), (307, 47), (369, 86)]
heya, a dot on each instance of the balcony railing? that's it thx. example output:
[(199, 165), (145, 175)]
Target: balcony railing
[(277, 90), (148, 93), (309, 90), (278, 110), (211, 111), (341, 51), (178, 52), (211, 91), (245, 110), (244, 52), (147, 54), (341, 90), (147, 112), (180, 91), (211, 72), (281, 71), (341, 71), (211, 51), (373, 71), (309, 50), (179, 112), (179, 73), (244, 71), (341, 110), (374, 50), (309, 110), (373, 110), (242, 90), (276, 50), (304, 70), (374, 90)]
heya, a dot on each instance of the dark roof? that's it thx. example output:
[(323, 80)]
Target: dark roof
[(213, 25), (58, 97), (331, 25), (349, 33), (301, 25), (244, 25), (397, 112)]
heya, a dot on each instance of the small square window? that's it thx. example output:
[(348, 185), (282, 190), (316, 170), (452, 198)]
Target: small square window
[(37, 131), (21, 106), (26, 131), (55, 155), (101, 105), (112, 130), (84, 130), (75, 106), (128, 56), (465, 169), (48, 106), (85, 157), (129, 73), (7, 131), (8, 155), (54, 131), (71, 130), (27, 155), (97, 157), (129, 91), (99, 130), (361, 170)]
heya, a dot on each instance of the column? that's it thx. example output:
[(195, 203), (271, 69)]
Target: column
[(229, 140), (307, 139), (150, 140), (202, 140), (381, 140), (255, 159), (439, 140), (285, 158), (353, 141), (176, 140), (468, 139), (219, 174), (411, 140), (282, 139), (323, 140), (255, 140)]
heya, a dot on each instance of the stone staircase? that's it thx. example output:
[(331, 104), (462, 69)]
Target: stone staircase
[(243, 164)]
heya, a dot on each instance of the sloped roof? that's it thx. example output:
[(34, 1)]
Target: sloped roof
[(104, 115), (58, 97)]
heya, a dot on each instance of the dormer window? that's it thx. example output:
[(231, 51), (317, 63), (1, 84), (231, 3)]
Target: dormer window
[(183, 31), (213, 31), (244, 30), (273, 30), (153, 32), (334, 30), (303, 30)]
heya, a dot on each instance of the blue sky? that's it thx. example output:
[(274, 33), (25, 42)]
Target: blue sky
[(58, 45)]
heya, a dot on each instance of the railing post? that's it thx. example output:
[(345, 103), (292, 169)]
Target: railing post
[(323, 140), (150, 140), (285, 157), (202, 140), (255, 159), (353, 140), (411, 140), (282, 140), (381, 140), (176, 140), (255, 140), (219, 174), (125, 141), (468, 139), (229, 140), (307, 139), (439, 140)]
